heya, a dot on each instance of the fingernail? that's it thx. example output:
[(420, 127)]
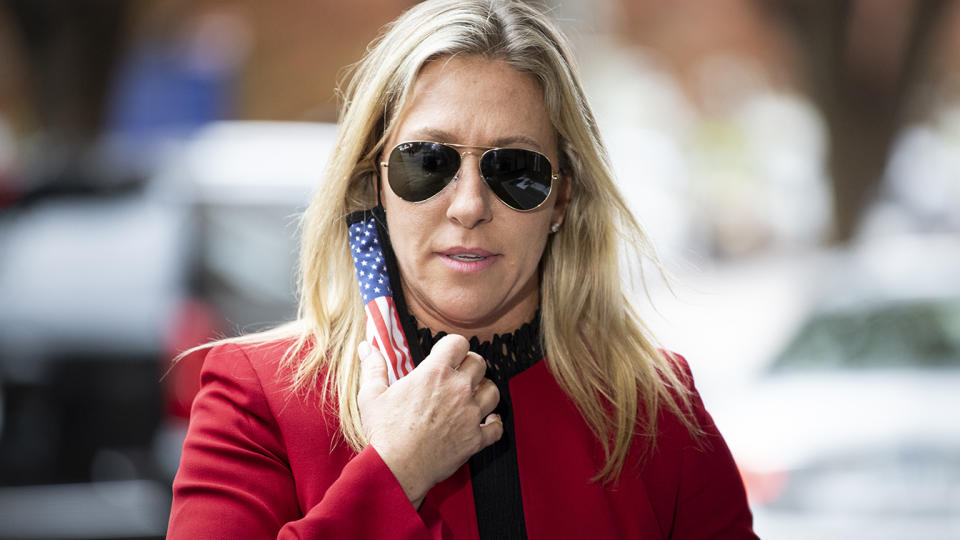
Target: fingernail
[(363, 349)]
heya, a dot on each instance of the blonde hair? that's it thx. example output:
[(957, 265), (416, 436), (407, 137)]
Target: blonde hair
[(595, 344)]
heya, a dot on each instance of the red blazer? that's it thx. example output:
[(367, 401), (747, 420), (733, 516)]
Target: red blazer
[(259, 462)]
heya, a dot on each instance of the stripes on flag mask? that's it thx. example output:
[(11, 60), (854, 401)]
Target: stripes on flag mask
[(389, 330)]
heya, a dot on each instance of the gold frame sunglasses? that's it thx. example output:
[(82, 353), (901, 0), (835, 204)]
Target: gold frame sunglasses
[(420, 170)]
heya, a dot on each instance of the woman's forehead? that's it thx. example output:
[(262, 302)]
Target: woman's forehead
[(473, 100), (440, 135)]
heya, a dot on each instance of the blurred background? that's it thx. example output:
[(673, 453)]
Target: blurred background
[(796, 164)]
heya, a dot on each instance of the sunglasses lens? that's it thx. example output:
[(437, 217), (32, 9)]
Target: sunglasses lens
[(520, 178), (420, 170)]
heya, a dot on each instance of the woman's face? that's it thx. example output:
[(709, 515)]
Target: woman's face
[(477, 102)]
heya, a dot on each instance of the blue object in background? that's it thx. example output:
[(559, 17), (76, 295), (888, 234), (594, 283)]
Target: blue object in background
[(161, 91)]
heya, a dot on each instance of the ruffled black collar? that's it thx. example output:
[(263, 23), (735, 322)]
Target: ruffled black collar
[(506, 354)]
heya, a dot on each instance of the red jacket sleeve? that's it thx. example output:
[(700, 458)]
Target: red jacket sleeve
[(234, 479), (712, 502)]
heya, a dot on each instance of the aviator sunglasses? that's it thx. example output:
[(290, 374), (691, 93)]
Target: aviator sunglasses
[(520, 178)]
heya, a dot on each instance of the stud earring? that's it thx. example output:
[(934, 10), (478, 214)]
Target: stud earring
[(554, 227)]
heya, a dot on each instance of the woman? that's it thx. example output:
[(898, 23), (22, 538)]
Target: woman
[(467, 130)]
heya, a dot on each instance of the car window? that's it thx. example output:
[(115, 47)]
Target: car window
[(906, 334)]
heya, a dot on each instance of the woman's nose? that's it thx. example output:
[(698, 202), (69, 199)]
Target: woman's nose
[(470, 200)]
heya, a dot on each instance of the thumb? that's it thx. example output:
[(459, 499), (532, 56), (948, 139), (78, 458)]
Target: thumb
[(373, 372)]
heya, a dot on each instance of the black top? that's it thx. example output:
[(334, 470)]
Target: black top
[(493, 470)]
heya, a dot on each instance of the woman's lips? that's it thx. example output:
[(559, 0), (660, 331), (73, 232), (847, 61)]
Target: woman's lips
[(461, 259)]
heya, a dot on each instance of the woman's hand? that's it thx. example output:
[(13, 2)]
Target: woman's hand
[(431, 421)]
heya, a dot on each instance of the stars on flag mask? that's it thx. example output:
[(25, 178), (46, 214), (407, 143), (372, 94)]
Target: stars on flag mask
[(389, 328)]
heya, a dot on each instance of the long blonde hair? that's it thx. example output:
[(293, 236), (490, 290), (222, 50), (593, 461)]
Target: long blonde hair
[(596, 345)]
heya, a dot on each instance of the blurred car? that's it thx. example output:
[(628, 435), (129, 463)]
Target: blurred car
[(100, 289), (852, 431), (89, 286), (247, 184)]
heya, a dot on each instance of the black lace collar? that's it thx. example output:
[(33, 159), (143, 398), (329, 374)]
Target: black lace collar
[(506, 354)]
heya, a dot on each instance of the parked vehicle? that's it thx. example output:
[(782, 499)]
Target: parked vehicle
[(99, 290), (89, 287), (851, 431), (248, 183)]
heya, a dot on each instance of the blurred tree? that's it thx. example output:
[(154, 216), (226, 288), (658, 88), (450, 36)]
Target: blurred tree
[(67, 55), (14, 98), (71, 49), (863, 59)]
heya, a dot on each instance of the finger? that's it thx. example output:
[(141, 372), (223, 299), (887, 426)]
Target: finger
[(491, 430), (487, 396), (373, 372), (449, 351), (475, 367)]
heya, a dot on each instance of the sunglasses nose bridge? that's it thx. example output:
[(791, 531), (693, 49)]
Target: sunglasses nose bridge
[(463, 161)]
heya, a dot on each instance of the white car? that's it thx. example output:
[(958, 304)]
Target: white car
[(853, 430), (98, 292)]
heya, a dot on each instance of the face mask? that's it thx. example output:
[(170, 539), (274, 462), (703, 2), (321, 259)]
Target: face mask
[(389, 328)]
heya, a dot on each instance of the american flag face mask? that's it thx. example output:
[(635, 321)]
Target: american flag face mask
[(389, 330)]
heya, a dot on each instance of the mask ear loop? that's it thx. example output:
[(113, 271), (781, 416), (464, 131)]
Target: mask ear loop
[(379, 180), (381, 129), (379, 212), (379, 177)]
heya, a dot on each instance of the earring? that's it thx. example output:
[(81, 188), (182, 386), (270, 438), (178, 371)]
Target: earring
[(554, 227)]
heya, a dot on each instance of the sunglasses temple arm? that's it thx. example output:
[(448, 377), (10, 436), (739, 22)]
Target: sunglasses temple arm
[(376, 172)]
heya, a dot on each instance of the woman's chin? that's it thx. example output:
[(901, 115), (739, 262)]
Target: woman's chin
[(465, 317), (479, 308), (477, 317)]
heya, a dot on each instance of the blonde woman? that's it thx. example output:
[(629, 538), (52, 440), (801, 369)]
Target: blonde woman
[(538, 407)]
